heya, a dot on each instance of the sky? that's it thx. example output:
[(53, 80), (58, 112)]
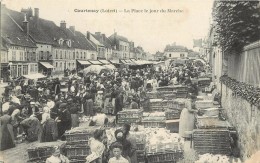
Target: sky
[(153, 31)]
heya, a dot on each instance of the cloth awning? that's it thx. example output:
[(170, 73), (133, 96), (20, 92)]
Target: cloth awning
[(123, 61), (95, 62), (103, 61), (84, 62), (35, 76), (115, 61), (46, 64)]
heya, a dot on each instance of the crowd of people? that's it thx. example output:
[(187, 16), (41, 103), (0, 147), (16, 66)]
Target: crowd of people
[(43, 110)]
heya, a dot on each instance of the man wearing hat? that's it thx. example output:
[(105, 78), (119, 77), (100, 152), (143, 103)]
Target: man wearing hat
[(63, 120)]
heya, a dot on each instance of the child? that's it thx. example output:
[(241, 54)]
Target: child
[(118, 158)]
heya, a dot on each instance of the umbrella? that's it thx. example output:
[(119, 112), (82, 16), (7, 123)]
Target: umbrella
[(94, 69)]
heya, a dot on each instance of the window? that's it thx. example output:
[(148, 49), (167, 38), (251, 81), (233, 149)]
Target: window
[(181, 55), (56, 56), (77, 55), (60, 41), (56, 64), (25, 69), (33, 56), (92, 56), (69, 43), (31, 68), (26, 56), (61, 54), (81, 55), (61, 65), (170, 55), (48, 55), (14, 56), (14, 70), (73, 55), (41, 55), (19, 70), (35, 68), (85, 56)]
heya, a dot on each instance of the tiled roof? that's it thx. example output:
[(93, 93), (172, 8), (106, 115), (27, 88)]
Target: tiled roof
[(104, 40), (47, 32), (175, 48), (42, 31), (118, 37), (12, 34), (85, 44)]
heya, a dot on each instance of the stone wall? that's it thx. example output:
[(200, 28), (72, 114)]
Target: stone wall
[(245, 118)]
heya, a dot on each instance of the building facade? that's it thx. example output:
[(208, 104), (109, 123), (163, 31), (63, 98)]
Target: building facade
[(175, 51)]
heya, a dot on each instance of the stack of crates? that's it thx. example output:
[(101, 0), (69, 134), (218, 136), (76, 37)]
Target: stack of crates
[(140, 144), (154, 122), (204, 104), (77, 143), (181, 91), (156, 105), (38, 153), (170, 155), (131, 116), (215, 141)]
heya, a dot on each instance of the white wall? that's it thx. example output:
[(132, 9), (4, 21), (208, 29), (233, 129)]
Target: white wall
[(175, 54)]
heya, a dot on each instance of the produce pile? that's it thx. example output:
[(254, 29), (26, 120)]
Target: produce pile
[(210, 158)]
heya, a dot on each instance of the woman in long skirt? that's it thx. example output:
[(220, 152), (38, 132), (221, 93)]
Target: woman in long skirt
[(88, 105), (187, 120), (6, 132)]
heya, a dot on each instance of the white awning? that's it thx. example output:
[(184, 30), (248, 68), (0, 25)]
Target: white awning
[(103, 61), (46, 64), (84, 62), (115, 61), (95, 62), (34, 76)]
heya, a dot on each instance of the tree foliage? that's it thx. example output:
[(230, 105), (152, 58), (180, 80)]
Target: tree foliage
[(237, 23)]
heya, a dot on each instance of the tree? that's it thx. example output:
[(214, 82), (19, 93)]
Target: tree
[(237, 24)]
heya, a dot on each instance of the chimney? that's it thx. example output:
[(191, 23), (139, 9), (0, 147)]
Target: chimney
[(36, 16), (88, 35), (98, 33), (103, 37), (63, 24), (36, 13), (72, 29), (26, 25)]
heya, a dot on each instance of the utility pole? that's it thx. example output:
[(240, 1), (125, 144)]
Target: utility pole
[(0, 39)]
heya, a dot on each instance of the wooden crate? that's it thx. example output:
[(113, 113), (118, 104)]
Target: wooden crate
[(140, 156), (42, 151), (153, 122), (215, 141), (173, 125), (77, 151), (130, 113), (152, 95), (181, 94), (80, 134), (204, 104), (171, 114), (129, 120), (165, 157)]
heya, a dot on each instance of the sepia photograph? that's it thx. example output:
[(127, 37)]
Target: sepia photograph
[(130, 81)]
